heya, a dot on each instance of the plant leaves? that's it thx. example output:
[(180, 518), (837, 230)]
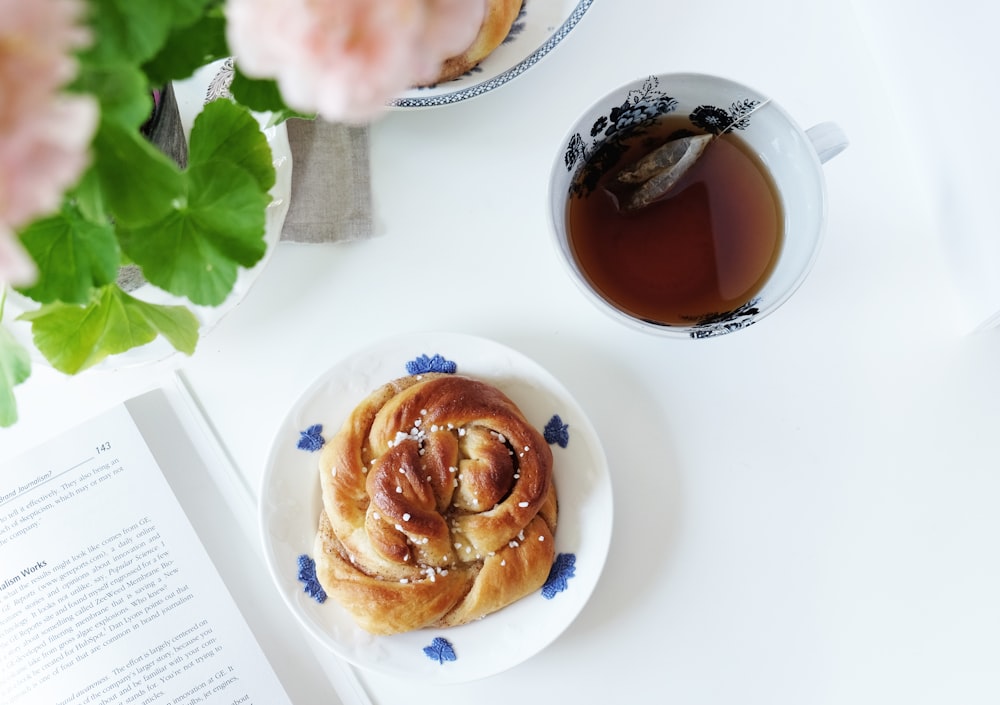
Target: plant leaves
[(225, 130), (127, 30), (74, 337), (189, 48), (136, 31), (88, 197), (139, 182), (259, 94), (262, 95), (175, 323), (214, 227), (15, 368), (73, 256), (121, 89)]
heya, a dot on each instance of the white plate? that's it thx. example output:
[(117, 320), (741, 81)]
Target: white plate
[(541, 25), (207, 84), (291, 503)]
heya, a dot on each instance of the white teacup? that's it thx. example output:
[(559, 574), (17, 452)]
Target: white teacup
[(792, 157)]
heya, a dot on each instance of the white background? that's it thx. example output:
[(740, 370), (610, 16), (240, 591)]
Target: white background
[(805, 511)]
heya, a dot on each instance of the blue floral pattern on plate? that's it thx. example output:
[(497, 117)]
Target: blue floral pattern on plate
[(563, 568), (311, 440), (423, 364), (556, 432), (307, 576), (440, 650)]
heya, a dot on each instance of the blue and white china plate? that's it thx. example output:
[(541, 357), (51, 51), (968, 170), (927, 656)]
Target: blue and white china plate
[(291, 504), (191, 95), (541, 25)]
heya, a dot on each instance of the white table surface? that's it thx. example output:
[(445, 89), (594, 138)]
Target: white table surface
[(805, 511)]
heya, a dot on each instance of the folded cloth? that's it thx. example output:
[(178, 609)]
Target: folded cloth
[(331, 189)]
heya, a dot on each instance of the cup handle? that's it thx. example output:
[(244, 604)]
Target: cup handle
[(828, 140)]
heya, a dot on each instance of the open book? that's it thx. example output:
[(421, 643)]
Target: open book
[(129, 574)]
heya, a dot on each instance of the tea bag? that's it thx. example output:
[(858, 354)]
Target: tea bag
[(653, 176)]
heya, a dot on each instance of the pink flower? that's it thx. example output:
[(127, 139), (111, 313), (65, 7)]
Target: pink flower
[(345, 59), (44, 133)]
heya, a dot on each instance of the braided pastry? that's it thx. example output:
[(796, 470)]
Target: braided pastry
[(439, 505), (500, 16)]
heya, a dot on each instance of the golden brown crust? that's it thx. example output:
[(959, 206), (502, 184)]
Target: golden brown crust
[(439, 505), (500, 16)]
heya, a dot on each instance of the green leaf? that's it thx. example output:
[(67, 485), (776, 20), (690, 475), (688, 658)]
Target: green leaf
[(74, 338), (196, 248), (135, 31), (73, 256), (125, 30), (88, 197), (262, 95), (189, 48), (139, 182), (175, 323), (224, 130), (259, 94), (15, 368), (121, 89)]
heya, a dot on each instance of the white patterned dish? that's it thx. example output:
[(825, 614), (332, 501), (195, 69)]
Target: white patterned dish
[(541, 25), (191, 94), (291, 503)]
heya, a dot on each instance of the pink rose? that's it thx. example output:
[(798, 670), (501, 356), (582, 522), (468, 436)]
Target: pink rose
[(345, 59)]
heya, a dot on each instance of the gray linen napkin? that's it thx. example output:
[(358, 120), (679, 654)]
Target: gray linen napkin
[(331, 189)]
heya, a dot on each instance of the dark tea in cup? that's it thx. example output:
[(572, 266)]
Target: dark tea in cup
[(727, 210), (702, 250)]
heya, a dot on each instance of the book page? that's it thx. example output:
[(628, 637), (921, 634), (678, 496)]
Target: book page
[(107, 595), (223, 510)]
